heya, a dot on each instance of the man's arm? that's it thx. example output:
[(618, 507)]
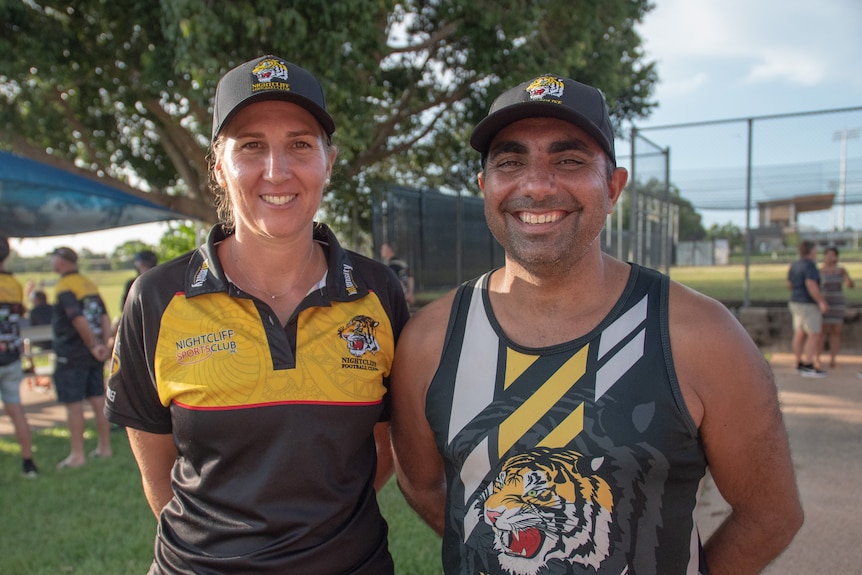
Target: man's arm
[(384, 455), (98, 349), (814, 291), (418, 465), (729, 390), (155, 454)]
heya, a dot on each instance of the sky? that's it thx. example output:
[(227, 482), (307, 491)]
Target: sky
[(731, 59), (717, 60)]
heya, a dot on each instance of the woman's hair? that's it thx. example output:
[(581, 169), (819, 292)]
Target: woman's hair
[(831, 249)]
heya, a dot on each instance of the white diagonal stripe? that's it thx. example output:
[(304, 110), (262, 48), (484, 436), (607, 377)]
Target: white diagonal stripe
[(624, 325), (474, 382), (619, 364)]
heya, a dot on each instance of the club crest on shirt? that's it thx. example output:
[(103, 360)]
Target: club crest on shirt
[(360, 336)]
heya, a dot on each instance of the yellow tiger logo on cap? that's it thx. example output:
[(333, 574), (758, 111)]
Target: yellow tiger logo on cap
[(546, 87), (270, 70)]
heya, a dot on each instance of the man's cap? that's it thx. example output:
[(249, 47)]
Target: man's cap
[(147, 257), (548, 96), (268, 78), (67, 254)]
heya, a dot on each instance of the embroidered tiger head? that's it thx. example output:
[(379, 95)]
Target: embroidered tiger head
[(270, 70), (360, 334), (542, 506)]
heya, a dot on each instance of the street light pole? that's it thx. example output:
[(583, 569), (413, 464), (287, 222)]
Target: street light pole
[(843, 135)]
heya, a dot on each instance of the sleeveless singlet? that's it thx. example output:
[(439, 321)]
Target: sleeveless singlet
[(575, 458)]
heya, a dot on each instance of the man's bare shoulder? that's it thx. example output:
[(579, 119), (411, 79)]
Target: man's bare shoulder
[(713, 355), (429, 321), (418, 352)]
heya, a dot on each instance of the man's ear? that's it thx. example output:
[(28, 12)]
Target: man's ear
[(615, 186)]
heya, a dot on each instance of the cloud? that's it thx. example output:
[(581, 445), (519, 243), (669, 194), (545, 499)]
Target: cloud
[(684, 85), (755, 41), (796, 67)]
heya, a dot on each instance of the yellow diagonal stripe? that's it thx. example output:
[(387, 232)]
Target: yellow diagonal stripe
[(517, 424), (516, 364), (567, 430)]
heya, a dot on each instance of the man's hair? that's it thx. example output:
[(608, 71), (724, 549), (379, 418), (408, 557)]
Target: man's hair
[(4, 248), (805, 247)]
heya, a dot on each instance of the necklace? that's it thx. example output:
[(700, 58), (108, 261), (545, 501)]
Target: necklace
[(259, 290)]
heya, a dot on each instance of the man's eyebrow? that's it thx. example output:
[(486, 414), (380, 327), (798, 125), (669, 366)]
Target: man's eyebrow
[(573, 145), (515, 147), (507, 147)]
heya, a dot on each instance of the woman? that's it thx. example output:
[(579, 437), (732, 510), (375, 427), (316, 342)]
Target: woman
[(832, 280), (252, 373)]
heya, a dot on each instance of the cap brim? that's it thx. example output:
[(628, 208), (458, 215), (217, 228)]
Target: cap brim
[(485, 130), (319, 113)]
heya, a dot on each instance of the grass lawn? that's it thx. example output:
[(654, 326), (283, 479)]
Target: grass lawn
[(768, 282), (94, 520)]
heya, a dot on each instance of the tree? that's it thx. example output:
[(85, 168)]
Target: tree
[(732, 233), (177, 240), (123, 89), (124, 254)]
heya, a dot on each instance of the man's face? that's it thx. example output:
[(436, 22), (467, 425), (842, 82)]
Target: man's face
[(547, 192)]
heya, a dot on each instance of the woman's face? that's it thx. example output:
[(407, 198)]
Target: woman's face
[(274, 164)]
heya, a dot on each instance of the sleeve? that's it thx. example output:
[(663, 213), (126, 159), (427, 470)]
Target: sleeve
[(68, 301), (132, 398)]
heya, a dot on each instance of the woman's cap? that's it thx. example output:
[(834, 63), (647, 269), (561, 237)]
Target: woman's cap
[(268, 78), (548, 96)]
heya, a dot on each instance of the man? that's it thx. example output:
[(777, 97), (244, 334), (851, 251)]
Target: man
[(557, 414), (143, 261), (807, 306), (11, 374), (399, 266), (81, 329)]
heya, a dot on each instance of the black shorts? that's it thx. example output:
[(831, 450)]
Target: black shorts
[(77, 383)]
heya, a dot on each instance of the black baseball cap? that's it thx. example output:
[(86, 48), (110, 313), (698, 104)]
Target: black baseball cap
[(548, 96), (147, 257), (268, 78), (67, 254)]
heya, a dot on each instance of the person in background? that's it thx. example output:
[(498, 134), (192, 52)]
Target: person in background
[(81, 331), (833, 278), (558, 414), (40, 310), (143, 261), (11, 374), (40, 313), (252, 374), (807, 306), (399, 266)]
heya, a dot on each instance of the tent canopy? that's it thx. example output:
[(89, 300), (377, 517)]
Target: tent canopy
[(38, 200)]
